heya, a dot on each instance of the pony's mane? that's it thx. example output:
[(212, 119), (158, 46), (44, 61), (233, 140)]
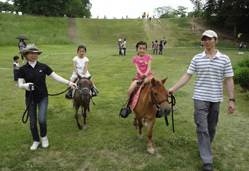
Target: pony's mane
[(148, 80)]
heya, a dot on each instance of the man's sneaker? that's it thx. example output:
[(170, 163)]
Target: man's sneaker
[(34, 145), (208, 167), (45, 143)]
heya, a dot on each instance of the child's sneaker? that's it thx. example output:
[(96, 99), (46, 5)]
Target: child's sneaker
[(45, 143), (34, 145), (94, 92), (16, 84)]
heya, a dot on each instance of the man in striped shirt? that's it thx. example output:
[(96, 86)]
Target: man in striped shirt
[(211, 67)]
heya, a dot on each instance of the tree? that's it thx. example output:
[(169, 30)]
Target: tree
[(181, 11), (165, 12), (229, 13), (198, 5), (5, 6), (72, 8)]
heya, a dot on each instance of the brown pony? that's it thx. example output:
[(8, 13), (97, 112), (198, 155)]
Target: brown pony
[(82, 98), (153, 98)]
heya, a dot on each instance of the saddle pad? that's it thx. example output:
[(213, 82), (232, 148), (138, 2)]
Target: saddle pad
[(135, 98)]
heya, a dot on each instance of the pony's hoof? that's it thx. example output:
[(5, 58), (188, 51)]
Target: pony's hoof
[(140, 137), (145, 124), (151, 151), (84, 127), (80, 127)]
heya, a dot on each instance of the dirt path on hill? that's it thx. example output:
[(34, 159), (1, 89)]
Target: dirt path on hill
[(71, 29), (201, 26)]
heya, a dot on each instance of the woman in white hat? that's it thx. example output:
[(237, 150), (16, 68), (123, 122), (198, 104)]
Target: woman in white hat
[(34, 74)]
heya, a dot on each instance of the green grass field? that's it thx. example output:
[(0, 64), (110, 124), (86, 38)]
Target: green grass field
[(110, 142)]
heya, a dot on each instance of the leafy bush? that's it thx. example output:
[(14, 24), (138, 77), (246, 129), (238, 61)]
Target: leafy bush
[(244, 63), (241, 76)]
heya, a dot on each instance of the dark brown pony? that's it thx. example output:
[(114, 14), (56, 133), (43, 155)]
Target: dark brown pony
[(82, 98), (153, 97)]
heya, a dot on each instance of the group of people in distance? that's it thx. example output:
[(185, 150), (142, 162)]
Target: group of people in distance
[(210, 66), (161, 45)]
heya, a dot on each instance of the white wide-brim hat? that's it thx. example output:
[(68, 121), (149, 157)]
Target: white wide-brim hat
[(30, 48), (209, 33)]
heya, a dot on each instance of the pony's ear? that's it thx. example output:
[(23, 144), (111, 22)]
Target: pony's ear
[(79, 76), (164, 80), (89, 77), (153, 81)]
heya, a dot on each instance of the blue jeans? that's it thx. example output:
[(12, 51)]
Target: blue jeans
[(42, 107)]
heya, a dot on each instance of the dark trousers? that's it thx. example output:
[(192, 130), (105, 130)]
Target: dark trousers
[(206, 117), (155, 50), (42, 107), (124, 51)]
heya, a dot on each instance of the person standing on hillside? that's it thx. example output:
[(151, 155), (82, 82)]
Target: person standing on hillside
[(161, 47), (34, 74), (120, 46), (155, 47), (124, 46), (211, 67), (16, 67), (21, 45)]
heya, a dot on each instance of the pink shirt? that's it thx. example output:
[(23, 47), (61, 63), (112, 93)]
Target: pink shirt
[(142, 64)]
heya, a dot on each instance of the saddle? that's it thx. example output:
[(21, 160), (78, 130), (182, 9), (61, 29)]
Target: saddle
[(124, 112)]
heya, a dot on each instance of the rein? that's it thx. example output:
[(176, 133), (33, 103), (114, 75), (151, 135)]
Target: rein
[(31, 100), (172, 102)]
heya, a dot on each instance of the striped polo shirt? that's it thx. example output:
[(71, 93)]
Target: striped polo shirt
[(210, 75)]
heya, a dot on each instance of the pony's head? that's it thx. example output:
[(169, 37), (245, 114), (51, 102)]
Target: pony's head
[(159, 96), (84, 88)]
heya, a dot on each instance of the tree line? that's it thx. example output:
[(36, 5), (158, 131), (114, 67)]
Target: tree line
[(228, 14), (72, 8)]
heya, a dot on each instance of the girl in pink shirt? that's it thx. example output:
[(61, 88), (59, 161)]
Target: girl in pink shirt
[(142, 64)]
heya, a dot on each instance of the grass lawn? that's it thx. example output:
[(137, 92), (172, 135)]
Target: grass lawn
[(110, 142)]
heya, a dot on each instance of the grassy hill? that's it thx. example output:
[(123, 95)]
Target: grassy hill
[(55, 30)]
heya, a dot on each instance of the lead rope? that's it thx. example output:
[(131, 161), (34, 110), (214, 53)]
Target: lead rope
[(31, 101), (173, 102), (27, 109)]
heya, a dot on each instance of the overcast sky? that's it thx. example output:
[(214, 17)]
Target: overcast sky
[(132, 8)]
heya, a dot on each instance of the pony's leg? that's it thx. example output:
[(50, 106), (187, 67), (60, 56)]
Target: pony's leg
[(145, 122), (76, 116), (150, 149), (140, 124), (135, 121), (84, 116)]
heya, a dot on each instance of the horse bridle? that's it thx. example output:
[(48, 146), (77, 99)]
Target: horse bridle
[(154, 99), (84, 88), (173, 102)]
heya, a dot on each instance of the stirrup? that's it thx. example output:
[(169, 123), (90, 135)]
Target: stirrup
[(69, 94)]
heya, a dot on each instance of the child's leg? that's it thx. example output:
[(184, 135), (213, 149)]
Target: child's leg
[(131, 88), (91, 82)]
